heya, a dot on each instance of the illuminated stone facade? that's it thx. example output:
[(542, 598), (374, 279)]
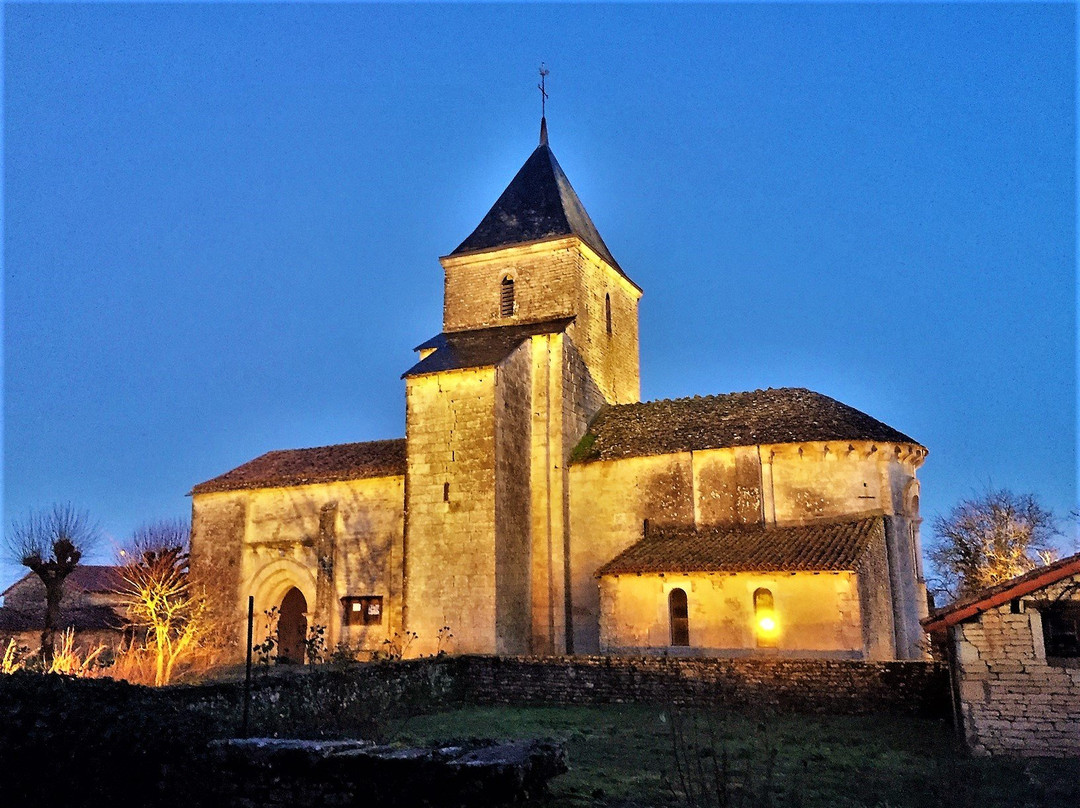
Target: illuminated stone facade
[(529, 464)]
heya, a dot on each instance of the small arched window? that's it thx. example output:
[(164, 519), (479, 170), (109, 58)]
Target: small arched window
[(506, 297), (765, 626), (680, 619), (607, 311)]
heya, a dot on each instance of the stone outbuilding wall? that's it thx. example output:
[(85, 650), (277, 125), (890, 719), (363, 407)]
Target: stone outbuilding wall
[(1014, 699), (1014, 654)]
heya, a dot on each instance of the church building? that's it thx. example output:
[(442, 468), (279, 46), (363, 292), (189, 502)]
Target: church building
[(537, 506)]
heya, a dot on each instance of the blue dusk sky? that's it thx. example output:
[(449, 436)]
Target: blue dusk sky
[(222, 222)]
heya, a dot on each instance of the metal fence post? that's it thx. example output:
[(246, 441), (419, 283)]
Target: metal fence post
[(247, 674)]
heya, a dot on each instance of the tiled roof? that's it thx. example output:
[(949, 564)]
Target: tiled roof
[(782, 415), (820, 547), (322, 464), (481, 348), (538, 204), (87, 577), (994, 596), (83, 618), (95, 578)]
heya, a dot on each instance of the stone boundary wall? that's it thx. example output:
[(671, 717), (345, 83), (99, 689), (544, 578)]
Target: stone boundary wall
[(812, 686), (775, 685), (164, 734)]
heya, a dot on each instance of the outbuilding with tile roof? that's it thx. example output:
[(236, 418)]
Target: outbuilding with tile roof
[(93, 607), (1014, 660)]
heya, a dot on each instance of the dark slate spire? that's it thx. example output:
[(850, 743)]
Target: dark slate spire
[(539, 203)]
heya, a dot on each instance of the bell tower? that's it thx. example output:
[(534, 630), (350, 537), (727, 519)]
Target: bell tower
[(540, 330), (537, 256)]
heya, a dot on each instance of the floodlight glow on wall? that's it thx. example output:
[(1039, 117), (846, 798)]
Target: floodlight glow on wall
[(765, 623)]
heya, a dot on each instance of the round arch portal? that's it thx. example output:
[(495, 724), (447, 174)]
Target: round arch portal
[(292, 627), (271, 585)]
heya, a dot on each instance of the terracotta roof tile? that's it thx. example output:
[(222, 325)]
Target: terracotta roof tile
[(782, 415), (322, 464), (819, 547), (977, 603)]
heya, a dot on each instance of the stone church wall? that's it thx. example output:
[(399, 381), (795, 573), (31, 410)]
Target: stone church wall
[(818, 614), (582, 399), (218, 521), (450, 576), (613, 358), (513, 536), (545, 511), (564, 399), (545, 275), (558, 278), (329, 540), (1014, 700), (368, 555), (548, 484), (608, 505), (770, 484), (812, 481), (877, 604)]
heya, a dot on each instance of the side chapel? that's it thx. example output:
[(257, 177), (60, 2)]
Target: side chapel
[(537, 506)]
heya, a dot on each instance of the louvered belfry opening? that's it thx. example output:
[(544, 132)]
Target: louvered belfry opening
[(506, 298)]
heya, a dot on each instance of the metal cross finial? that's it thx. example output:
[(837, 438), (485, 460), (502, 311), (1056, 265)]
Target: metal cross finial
[(542, 88)]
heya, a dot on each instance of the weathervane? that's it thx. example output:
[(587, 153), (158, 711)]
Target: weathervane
[(542, 88)]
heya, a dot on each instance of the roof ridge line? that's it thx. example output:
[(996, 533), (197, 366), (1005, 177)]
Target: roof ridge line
[(698, 396), (331, 446)]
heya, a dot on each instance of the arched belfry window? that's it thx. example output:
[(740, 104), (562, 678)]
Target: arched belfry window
[(765, 625), (680, 618), (506, 297), (607, 311)]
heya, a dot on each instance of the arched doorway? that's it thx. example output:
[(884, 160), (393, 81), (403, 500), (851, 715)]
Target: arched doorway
[(292, 627)]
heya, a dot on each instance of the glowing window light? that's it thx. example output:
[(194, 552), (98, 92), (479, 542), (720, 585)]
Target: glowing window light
[(765, 625)]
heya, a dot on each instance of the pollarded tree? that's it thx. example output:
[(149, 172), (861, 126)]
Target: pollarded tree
[(158, 594), (991, 538), (50, 543)]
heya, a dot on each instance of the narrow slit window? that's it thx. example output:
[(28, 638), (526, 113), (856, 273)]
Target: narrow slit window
[(680, 618), (607, 311), (446, 492), (506, 297)]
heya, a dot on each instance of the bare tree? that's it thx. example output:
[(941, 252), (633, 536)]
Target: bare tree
[(989, 539), (50, 543), (158, 594)]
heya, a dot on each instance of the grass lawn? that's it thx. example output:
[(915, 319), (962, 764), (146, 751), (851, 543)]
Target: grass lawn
[(622, 755)]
